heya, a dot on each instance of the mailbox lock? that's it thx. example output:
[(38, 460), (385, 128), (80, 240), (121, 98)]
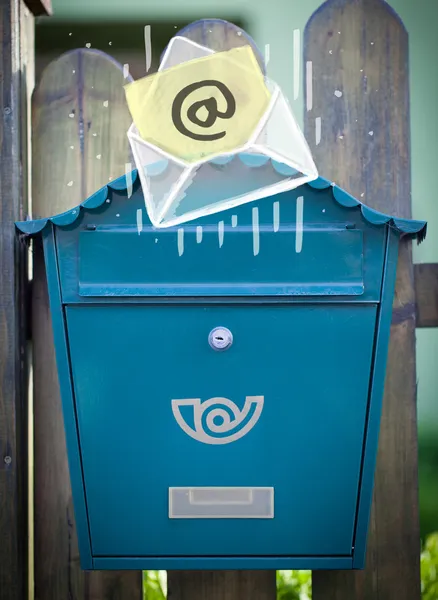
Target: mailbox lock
[(220, 338)]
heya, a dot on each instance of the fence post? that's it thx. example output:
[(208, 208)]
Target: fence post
[(16, 69), (359, 131), (80, 120), (221, 585)]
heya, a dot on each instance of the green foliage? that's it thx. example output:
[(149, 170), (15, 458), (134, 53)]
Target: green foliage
[(154, 585), (429, 568), (294, 585), (428, 481), (297, 585)]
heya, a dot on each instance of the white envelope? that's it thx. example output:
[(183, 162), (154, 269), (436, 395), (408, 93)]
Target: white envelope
[(275, 159)]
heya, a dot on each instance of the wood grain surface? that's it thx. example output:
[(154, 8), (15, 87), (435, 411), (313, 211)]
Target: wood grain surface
[(220, 35), (80, 120), (16, 62), (222, 585), (359, 55), (426, 294)]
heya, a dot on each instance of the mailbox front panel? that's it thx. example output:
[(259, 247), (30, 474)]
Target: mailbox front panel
[(298, 376)]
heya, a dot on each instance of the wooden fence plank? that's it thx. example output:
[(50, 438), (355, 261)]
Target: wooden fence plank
[(16, 58), (426, 294), (80, 121), (220, 35), (27, 50), (359, 55), (222, 585)]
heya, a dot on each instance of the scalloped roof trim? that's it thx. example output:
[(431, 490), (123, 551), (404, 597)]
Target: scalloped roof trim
[(32, 227), (409, 227), (416, 229)]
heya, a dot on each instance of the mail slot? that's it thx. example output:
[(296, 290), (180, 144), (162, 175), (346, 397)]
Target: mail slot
[(335, 266), (222, 379)]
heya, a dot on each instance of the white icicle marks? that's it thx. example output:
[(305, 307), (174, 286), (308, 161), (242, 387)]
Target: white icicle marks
[(299, 224)]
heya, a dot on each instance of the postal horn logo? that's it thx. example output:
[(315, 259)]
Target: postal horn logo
[(218, 420)]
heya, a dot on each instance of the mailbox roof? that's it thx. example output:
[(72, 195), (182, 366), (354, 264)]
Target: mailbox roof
[(416, 229)]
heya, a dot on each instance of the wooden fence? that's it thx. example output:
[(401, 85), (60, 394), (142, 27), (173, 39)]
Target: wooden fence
[(358, 53), (16, 82)]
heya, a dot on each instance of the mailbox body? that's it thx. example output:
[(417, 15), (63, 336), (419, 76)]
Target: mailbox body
[(308, 302)]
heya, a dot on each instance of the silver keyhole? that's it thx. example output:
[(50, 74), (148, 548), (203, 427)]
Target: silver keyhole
[(220, 338)]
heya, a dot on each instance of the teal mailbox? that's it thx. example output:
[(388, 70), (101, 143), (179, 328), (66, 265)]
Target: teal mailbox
[(222, 380)]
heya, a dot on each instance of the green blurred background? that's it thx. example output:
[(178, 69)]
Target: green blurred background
[(118, 29)]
